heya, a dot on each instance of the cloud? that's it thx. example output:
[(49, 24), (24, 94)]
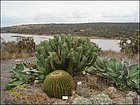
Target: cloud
[(69, 12)]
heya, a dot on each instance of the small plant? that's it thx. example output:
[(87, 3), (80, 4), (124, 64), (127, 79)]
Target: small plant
[(22, 74), (65, 52), (101, 99), (80, 100), (58, 83)]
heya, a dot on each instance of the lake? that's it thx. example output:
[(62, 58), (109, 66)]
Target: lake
[(105, 44)]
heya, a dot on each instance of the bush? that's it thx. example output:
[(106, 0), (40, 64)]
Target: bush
[(130, 45), (22, 47), (66, 52)]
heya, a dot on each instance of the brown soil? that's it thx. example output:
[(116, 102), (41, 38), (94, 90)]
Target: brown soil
[(91, 85)]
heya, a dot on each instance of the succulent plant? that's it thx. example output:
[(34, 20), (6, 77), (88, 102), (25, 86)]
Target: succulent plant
[(58, 83), (123, 75), (22, 73), (133, 73), (80, 100), (65, 52), (101, 99)]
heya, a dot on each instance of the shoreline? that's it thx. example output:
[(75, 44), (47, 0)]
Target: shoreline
[(91, 37)]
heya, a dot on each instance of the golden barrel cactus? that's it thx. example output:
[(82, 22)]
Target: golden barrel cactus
[(58, 83)]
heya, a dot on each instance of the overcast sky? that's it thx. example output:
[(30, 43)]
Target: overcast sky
[(27, 12)]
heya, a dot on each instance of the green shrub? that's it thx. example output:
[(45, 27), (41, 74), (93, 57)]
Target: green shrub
[(58, 83), (66, 52)]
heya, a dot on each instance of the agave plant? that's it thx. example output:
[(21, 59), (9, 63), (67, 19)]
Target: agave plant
[(123, 75), (22, 73), (65, 52), (133, 76)]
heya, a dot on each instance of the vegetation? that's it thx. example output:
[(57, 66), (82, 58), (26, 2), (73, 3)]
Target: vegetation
[(72, 54), (58, 83), (22, 47), (106, 30), (22, 73), (68, 53), (121, 74), (130, 45)]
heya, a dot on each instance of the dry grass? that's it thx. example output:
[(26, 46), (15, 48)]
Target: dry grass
[(119, 55), (6, 55), (113, 54), (22, 48)]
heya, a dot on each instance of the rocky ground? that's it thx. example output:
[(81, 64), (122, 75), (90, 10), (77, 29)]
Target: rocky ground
[(86, 85), (6, 66)]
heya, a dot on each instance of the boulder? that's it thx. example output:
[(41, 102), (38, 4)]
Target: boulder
[(25, 94)]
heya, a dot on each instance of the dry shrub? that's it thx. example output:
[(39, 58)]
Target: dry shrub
[(23, 47), (120, 56), (113, 54)]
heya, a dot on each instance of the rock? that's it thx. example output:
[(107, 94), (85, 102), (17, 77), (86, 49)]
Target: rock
[(123, 100), (119, 101), (101, 99), (112, 90), (59, 102), (138, 100), (18, 60), (83, 91), (80, 100), (84, 73), (128, 100), (25, 94), (133, 95)]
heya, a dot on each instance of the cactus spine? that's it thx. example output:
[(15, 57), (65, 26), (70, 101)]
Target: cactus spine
[(58, 83)]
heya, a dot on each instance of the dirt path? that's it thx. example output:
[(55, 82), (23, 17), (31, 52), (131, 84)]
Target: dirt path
[(6, 66)]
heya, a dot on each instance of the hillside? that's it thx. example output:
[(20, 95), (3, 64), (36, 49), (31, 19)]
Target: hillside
[(107, 30)]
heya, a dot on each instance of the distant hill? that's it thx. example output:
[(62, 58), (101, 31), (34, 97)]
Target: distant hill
[(107, 30)]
